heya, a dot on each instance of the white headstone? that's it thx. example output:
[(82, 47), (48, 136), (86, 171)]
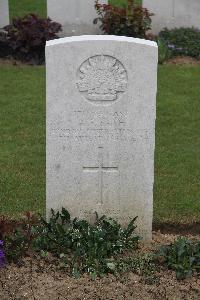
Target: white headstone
[(101, 109), (76, 16), (173, 13), (4, 13)]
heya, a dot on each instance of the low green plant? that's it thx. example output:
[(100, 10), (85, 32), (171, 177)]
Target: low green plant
[(82, 246), (164, 53), (141, 264), (182, 41), (182, 256)]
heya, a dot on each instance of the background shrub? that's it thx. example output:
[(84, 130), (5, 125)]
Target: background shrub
[(5, 49), (164, 53), (182, 41), (133, 21), (27, 37)]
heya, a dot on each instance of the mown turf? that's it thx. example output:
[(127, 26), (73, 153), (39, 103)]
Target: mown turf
[(122, 3), (177, 171), (22, 151), (23, 7), (22, 123)]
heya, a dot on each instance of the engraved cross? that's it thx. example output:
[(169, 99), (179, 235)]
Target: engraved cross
[(101, 169)]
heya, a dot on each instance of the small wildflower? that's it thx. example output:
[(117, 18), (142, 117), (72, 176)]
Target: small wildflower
[(2, 255), (179, 49), (171, 46)]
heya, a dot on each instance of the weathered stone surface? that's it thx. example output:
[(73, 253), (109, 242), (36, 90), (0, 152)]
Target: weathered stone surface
[(173, 13), (4, 13), (101, 109), (76, 16)]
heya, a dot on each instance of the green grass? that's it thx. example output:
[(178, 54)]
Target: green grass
[(22, 123), (23, 7), (122, 2), (22, 151), (177, 170), (118, 2)]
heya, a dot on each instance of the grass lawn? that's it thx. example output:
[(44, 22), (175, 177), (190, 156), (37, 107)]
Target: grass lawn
[(177, 168), (23, 7), (22, 122), (22, 152)]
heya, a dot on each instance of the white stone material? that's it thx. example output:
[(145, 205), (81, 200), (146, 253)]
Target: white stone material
[(76, 16), (173, 13), (4, 13), (101, 110)]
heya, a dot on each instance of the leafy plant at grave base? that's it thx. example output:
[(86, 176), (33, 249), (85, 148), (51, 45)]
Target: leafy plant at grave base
[(86, 248), (17, 236), (182, 256), (133, 21), (164, 53), (182, 41), (27, 37)]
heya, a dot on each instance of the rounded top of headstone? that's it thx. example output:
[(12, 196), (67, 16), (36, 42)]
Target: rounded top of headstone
[(83, 38)]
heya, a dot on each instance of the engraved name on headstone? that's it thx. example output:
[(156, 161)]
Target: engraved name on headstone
[(101, 109)]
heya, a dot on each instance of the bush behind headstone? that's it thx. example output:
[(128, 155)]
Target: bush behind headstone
[(27, 37), (182, 41)]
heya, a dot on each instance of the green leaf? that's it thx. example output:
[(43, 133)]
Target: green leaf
[(65, 215)]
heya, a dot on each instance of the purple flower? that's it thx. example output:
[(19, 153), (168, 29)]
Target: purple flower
[(171, 46), (2, 255), (179, 49)]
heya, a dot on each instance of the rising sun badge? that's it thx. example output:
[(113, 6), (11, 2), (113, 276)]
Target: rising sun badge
[(102, 78)]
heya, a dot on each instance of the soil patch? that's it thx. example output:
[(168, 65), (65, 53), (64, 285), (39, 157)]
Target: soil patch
[(42, 280), (10, 62), (183, 60), (178, 228)]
